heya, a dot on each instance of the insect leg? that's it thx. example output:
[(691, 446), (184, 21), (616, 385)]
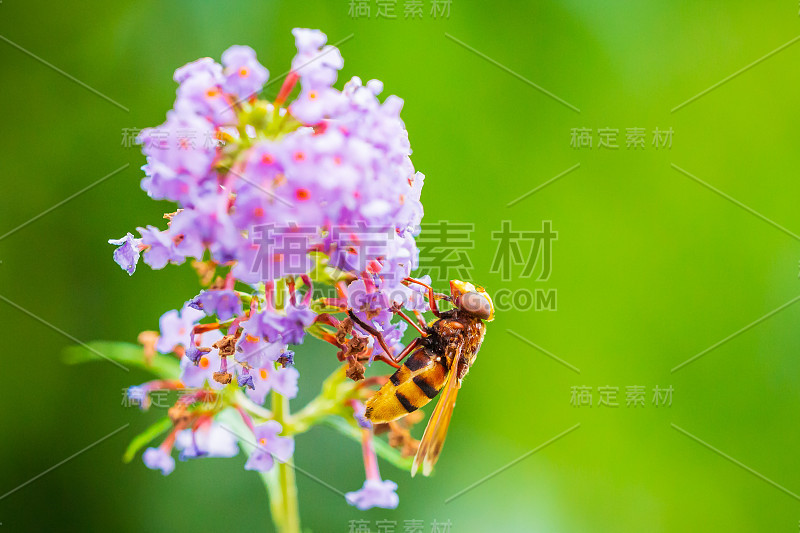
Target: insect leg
[(420, 319), (389, 361), (395, 362), (414, 324), (372, 331), (408, 349), (431, 295)]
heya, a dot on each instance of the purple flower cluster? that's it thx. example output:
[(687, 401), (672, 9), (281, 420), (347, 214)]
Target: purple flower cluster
[(334, 160), (266, 192)]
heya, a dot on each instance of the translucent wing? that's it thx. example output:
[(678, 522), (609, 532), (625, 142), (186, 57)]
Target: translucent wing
[(433, 439)]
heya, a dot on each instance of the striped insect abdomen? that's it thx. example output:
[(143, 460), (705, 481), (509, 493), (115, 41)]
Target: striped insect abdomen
[(412, 386)]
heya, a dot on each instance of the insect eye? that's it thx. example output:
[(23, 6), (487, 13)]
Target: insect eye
[(476, 304)]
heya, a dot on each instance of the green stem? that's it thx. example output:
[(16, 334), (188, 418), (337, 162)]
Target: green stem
[(253, 408), (336, 390), (280, 481)]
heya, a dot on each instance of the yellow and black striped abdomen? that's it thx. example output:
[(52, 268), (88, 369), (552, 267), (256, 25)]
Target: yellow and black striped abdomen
[(414, 384)]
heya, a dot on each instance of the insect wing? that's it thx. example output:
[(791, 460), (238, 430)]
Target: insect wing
[(436, 431)]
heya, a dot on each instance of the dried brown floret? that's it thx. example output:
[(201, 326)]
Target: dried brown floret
[(355, 370), (226, 345), (222, 377)]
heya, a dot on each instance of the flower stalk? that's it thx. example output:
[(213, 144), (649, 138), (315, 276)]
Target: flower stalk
[(280, 481)]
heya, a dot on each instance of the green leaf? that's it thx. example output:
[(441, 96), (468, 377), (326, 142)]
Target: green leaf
[(145, 437), (382, 448), (128, 355)]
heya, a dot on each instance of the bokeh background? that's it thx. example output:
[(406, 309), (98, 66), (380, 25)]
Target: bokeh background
[(651, 267)]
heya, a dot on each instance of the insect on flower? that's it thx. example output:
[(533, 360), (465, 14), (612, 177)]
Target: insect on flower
[(437, 360), (277, 197)]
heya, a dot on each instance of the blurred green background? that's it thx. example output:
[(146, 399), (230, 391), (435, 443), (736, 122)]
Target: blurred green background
[(650, 267)]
